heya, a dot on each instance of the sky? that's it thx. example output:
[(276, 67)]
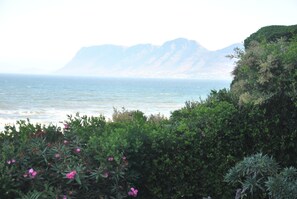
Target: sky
[(41, 36)]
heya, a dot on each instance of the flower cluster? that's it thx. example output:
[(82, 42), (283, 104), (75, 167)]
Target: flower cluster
[(31, 173), (71, 175), (133, 192), (12, 161)]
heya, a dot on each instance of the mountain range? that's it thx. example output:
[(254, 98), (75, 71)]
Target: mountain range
[(179, 58)]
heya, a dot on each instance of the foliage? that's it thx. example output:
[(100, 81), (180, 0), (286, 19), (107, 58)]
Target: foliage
[(271, 34), (45, 162), (185, 156), (187, 163), (258, 176), (252, 173), (284, 184), (266, 77), (266, 71), (126, 115)]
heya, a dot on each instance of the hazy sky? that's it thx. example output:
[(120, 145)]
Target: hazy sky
[(43, 35)]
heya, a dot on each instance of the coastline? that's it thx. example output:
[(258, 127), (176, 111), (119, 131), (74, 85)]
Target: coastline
[(59, 120), (49, 99)]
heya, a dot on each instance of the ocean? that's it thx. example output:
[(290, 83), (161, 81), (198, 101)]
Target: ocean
[(49, 99)]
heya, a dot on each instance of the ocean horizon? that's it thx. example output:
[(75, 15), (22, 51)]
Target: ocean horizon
[(48, 99)]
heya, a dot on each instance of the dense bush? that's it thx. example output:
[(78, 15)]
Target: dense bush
[(271, 34), (185, 156), (266, 76), (45, 162)]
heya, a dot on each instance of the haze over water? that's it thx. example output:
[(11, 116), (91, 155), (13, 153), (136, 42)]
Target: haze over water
[(49, 99)]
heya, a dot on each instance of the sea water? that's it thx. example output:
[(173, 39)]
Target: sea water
[(49, 99)]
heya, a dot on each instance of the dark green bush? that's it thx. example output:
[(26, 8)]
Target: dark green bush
[(271, 34)]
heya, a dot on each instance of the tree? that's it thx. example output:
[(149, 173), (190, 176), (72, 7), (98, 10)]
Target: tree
[(266, 71), (271, 34)]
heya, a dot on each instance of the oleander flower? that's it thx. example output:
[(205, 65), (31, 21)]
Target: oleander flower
[(10, 161), (133, 192), (71, 175), (66, 126), (32, 173)]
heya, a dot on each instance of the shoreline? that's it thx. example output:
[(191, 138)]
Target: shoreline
[(58, 121)]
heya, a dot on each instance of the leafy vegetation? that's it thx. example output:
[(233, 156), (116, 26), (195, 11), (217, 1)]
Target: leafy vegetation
[(258, 177), (271, 34), (252, 173), (250, 128)]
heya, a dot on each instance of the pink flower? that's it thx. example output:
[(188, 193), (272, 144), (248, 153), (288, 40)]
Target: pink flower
[(65, 142), (105, 174), (125, 161), (71, 175), (110, 159), (77, 150), (66, 126), (32, 173), (64, 197), (133, 192), (57, 155), (10, 161)]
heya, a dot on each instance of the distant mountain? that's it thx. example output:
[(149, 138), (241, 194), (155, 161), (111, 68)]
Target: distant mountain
[(179, 58)]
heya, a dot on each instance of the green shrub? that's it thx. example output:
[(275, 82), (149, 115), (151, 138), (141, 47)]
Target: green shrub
[(251, 174), (44, 161), (284, 184), (271, 34), (257, 177)]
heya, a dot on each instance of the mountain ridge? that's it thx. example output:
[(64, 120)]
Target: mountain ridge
[(178, 58)]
